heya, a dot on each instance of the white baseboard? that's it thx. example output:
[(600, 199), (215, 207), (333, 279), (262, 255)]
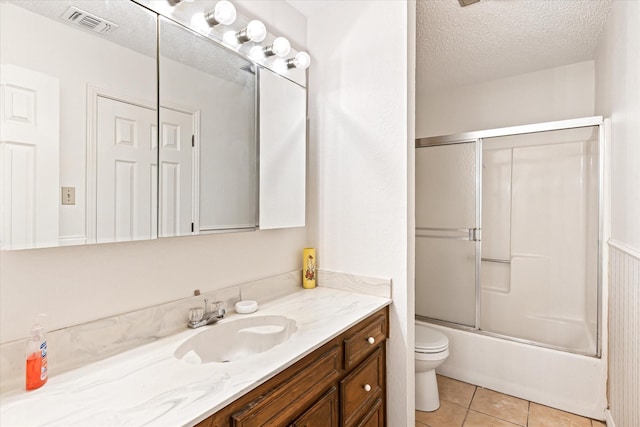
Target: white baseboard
[(608, 418)]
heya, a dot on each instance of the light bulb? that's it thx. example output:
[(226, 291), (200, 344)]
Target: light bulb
[(279, 65), (280, 47), (256, 53), (302, 60), (223, 13), (198, 21), (255, 32)]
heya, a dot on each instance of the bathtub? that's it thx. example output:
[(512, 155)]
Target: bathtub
[(567, 381)]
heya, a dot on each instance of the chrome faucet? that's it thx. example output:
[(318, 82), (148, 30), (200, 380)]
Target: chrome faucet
[(201, 317)]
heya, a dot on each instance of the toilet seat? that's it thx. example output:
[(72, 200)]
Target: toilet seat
[(430, 341)]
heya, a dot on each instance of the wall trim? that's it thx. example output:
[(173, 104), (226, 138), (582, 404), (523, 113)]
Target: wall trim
[(625, 248)]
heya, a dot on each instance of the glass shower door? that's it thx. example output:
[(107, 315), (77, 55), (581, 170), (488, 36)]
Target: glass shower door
[(447, 232)]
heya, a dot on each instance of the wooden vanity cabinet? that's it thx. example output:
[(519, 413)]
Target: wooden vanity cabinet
[(340, 384)]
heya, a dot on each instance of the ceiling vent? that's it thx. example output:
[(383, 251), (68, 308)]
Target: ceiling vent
[(88, 21), (464, 3)]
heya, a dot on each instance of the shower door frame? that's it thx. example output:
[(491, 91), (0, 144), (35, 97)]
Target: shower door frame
[(478, 137)]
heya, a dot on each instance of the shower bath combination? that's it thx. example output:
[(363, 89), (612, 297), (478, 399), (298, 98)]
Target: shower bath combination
[(508, 233), (509, 236)]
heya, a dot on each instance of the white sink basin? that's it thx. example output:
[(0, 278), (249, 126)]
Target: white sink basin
[(236, 339)]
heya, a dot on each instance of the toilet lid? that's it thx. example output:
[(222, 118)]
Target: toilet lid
[(429, 340)]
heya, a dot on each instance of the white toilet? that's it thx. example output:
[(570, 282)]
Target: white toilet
[(432, 348)]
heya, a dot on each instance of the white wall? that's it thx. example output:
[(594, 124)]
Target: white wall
[(618, 97), (359, 109), (542, 96), (82, 283)]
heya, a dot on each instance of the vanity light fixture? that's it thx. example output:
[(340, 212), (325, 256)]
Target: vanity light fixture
[(302, 60), (255, 32), (223, 13)]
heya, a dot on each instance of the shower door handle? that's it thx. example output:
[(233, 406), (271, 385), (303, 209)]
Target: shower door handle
[(475, 234)]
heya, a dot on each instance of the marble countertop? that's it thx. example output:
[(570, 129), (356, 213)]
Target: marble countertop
[(149, 386)]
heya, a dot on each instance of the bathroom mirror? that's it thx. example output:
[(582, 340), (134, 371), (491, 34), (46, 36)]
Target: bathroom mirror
[(80, 139), (208, 149), (283, 132), (78, 119)]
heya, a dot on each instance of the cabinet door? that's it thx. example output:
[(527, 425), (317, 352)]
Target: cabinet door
[(324, 413), (375, 416)]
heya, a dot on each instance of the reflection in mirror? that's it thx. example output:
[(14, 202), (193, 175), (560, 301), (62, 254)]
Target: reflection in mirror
[(78, 119), (283, 133), (208, 168)]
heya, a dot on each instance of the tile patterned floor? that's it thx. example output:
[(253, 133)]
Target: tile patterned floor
[(465, 405)]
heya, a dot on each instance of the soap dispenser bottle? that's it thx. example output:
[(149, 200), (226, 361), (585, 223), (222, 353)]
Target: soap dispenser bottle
[(36, 355)]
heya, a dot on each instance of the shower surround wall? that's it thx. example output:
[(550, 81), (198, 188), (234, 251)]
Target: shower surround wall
[(539, 237)]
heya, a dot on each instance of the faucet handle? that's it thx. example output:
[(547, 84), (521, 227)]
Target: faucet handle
[(196, 314), (220, 309)]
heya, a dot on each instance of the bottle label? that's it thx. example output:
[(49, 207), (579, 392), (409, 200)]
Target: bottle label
[(43, 365)]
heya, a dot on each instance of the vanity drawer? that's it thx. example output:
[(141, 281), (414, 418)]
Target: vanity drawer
[(360, 389), (365, 340), (281, 405)]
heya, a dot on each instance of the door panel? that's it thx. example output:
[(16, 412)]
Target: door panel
[(29, 158), (126, 165), (447, 234), (176, 179)]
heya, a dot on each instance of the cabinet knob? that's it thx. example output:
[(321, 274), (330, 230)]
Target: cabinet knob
[(367, 387), (371, 340)]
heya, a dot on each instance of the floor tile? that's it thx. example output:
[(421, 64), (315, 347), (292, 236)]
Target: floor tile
[(544, 416), (507, 408), (477, 419), (455, 391), (448, 415), (596, 423)]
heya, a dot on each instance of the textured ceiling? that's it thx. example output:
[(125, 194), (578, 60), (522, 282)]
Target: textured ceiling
[(137, 31), (498, 38), (136, 26)]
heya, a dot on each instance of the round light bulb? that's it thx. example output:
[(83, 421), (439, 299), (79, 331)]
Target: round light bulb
[(302, 60), (198, 21), (256, 31), (256, 53), (281, 47), (279, 65), (230, 38), (224, 12)]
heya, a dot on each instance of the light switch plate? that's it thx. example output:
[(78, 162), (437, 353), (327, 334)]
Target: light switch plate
[(68, 195)]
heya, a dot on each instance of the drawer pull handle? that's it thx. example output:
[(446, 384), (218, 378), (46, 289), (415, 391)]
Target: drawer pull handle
[(367, 387), (371, 340)]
